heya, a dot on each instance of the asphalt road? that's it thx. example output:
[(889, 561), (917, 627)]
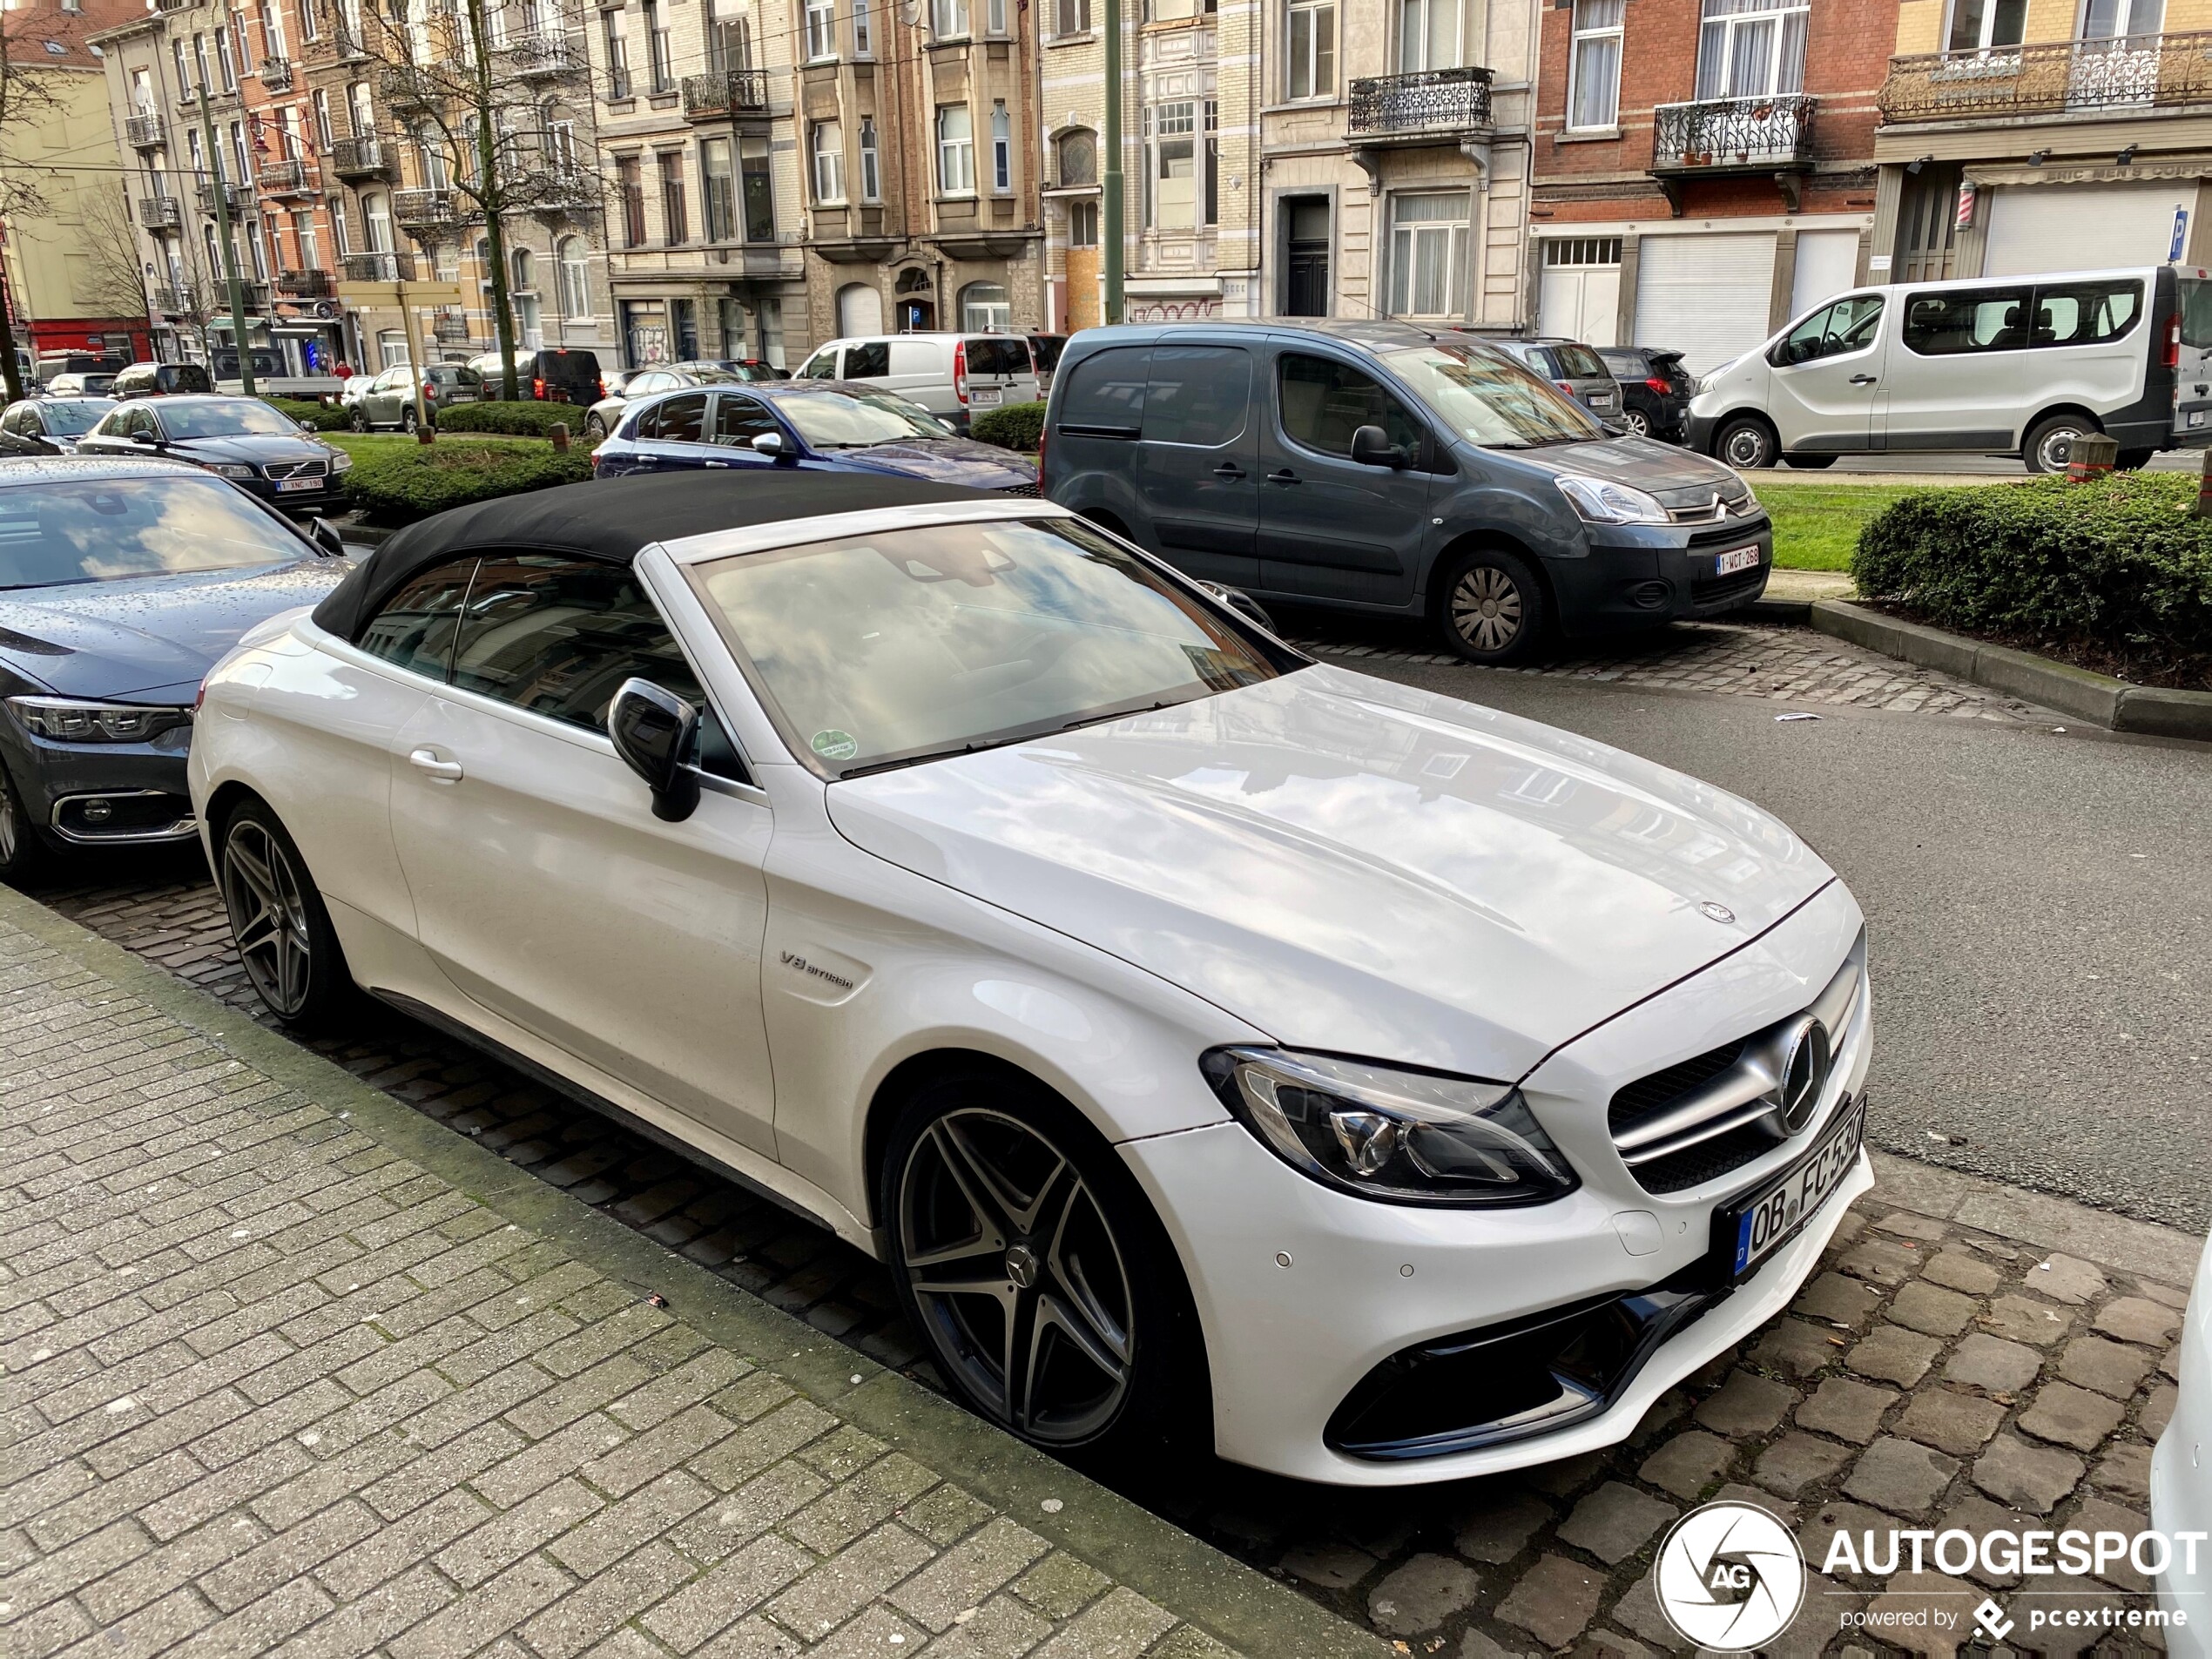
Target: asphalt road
[(2040, 908)]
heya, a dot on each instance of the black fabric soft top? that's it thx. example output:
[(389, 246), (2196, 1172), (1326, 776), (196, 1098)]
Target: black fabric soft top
[(612, 519)]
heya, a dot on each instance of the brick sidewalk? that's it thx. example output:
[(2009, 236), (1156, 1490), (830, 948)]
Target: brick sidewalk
[(289, 1368)]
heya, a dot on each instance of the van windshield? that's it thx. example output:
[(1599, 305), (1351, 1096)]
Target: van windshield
[(1489, 400)]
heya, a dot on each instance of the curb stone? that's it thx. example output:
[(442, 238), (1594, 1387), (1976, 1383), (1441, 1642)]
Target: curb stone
[(2114, 703), (1221, 1596)]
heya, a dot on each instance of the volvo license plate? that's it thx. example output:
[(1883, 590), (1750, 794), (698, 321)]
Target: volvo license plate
[(1754, 1230), (285, 485), (1737, 558)]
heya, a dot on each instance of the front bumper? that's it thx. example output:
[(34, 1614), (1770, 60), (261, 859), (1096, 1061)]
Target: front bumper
[(2180, 1478), (1639, 575), (331, 493), (104, 794)]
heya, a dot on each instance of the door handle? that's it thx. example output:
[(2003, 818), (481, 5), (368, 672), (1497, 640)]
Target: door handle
[(1284, 476), (1230, 470), (1862, 380), (717, 464), (426, 760)]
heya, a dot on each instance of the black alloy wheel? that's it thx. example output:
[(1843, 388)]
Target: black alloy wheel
[(278, 922)]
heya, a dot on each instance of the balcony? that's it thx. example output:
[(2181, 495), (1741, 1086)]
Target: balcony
[(171, 299), (359, 159), (145, 130), (286, 177), (722, 93), (543, 56), (405, 87), (425, 210), (1431, 102), (2124, 75), (275, 74), (379, 267), (234, 197), (564, 189), (305, 285), (450, 328), (160, 212)]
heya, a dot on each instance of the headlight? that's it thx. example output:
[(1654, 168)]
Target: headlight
[(340, 460), (1391, 1134), (1600, 501), (232, 470), (66, 720)]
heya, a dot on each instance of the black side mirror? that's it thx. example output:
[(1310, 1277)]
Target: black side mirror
[(324, 536), (1370, 447), (653, 730)]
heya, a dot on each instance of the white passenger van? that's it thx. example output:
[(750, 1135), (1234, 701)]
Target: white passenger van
[(1997, 366), (953, 376)]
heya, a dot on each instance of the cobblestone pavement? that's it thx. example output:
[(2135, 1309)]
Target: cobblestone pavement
[(273, 1385)]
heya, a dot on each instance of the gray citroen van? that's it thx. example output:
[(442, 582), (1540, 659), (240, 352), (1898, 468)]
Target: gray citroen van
[(1380, 467)]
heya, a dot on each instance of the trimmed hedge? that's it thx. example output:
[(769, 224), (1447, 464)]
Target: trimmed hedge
[(1018, 426), (514, 420), (2120, 564), (422, 479), (299, 408)]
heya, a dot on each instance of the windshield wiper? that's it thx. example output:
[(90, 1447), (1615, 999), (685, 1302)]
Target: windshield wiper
[(978, 745)]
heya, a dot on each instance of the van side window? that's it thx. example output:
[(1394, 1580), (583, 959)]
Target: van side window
[(1847, 326), (822, 366), (868, 361), (1105, 395), (1197, 395), (1965, 319), (2085, 314), (1323, 403)]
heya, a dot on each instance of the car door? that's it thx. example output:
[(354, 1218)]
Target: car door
[(545, 889), (1331, 527), (1957, 370), (1197, 460), (670, 434), (738, 419), (1827, 375)]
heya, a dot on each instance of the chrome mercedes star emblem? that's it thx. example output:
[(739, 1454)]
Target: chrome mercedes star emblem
[(1022, 1265), (1805, 1074), (1717, 912)]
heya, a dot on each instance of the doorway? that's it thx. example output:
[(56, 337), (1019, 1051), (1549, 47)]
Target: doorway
[(1305, 256)]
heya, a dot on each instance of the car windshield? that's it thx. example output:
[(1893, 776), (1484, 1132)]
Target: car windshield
[(1490, 400), (104, 529), (854, 420), (241, 418), (926, 641), (67, 417), (1579, 362)]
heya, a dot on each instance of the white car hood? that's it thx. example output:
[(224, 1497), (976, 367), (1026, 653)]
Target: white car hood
[(1354, 866)]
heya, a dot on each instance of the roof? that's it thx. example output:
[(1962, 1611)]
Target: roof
[(613, 519), (34, 30), (1376, 333), (33, 470)]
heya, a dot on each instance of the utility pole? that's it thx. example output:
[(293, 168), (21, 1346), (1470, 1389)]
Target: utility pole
[(223, 235), (1111, 233)]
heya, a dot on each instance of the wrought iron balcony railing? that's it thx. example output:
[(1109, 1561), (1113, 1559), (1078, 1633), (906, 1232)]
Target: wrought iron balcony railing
[(379, 267), (449, 326), (234, 197), (363, 158), (726, 92), (1724, 134), (2051, 77), (1430, 100), (285, 177), (275, 73), (547, 54), (169, 298), (305, 285), (405, 87), (145, 130), (424, 208), (160, 212)]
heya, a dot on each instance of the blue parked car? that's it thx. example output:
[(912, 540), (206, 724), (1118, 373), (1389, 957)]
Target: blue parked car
[(817, 426)]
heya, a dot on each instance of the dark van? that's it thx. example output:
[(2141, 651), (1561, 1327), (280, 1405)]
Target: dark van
[(544, 376), (161, 380), (1375, 467)]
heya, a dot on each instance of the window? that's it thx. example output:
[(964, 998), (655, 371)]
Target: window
[(821, 28), (1082, 224), (871, 170), (822, 366), (576, 290), (1312, 28), (2085, 314), (729, 44), (1001, 148), (338, 231), (863, 30), (1078, 158), (1751, 48), (719, 188), (618, 45), (1197, 395), (1429, 35), (363, 110), (1980, 25), (1593, 64), (675, 419), (222, 60), (676, 228), (1429, 254), (205, 81), (629, 189), (416, 629), (2120, 20), (660, 55), (984, 305), (183, 67), (956, 150), (1582, 250), (948, 19), (1171, 194), (994, 17), (324, 136), (274, 43), (524, 266), (310, 20), (1936, 324), (303, 231), (739, 419), (870, 359), (1324, 403), (1071, 16), (828, 150)]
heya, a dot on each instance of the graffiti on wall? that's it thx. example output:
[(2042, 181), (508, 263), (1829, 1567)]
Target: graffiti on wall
[(1173, 310)]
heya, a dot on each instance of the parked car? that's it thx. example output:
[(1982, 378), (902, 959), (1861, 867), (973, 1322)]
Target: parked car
[(95, 384), (121, 583), (819, 426), (1572, 367), (2181, 1496), (2017, 366), (548, 376), (602, 416), (745, 368), (388, 399), (1375, 467), (56, 364), (162, 379), (1134, 985), (952, 375), (1655, 389), (262, 451), (58, 421)]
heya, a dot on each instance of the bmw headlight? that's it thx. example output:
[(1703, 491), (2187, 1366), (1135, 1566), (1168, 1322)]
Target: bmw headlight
[(1600, 501), (1390, 1133), (234, 469), (68, 720)]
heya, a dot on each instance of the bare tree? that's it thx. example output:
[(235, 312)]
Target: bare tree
[(116, 285), (461, 76), (25, 103)]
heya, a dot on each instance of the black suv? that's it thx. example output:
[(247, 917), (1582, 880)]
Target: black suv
[(1655, 389), (1377, 467)]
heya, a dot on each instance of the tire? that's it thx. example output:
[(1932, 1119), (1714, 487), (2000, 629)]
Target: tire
[(595, 429), (1809, 463), (358, 420), (24, 853), (283, 933), (407, 417), (1746, 443), (1492, 608), (2134, 460), (1015, 1229), (1638, 423), (2049, 441)]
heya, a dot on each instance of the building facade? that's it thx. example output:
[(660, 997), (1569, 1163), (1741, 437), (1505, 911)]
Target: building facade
[(1704, 169)]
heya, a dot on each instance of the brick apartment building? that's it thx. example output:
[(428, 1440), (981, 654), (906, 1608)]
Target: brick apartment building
[(1703, 169)]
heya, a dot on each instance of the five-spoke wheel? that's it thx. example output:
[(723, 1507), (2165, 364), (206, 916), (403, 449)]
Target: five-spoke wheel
[(282, 932)]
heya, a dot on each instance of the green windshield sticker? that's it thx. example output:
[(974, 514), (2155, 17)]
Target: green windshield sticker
[(836, 745)]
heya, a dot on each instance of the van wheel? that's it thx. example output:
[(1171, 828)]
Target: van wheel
[(1809, 463), (1746, 443), (1494, 609), (2050, 441)]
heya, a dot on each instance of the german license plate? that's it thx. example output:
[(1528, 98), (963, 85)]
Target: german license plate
[(1737, 558), (286, 486), (1752, 1230), (984, 397), (1601, 400)]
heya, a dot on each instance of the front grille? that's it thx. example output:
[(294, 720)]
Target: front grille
[(298, 469), (1730, 535), (1707, 1160), (1031, 491), (1719, 590), (1648, 1096)]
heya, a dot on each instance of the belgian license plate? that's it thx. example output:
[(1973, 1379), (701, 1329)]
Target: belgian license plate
[(1737, 558), (1755, 1228), (285, 485), (984, 397), (2196, 417), (1601, 400)]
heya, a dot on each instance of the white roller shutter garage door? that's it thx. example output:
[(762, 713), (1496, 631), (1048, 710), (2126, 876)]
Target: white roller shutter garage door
[(2081, 228), (1704, 296)]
